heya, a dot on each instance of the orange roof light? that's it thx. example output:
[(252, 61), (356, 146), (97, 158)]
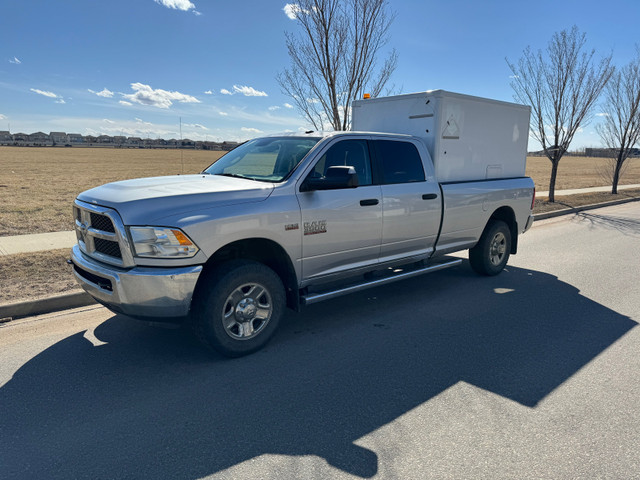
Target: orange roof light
[(366, 95)]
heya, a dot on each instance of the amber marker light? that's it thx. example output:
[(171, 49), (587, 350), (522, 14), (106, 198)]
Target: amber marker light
[(366, 96), (182, 238)]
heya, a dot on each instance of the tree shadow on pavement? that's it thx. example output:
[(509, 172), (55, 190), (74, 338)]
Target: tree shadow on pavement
[(151, 403), (626, 226)]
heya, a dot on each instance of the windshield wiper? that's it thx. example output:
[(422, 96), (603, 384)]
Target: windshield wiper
[(234, 175)]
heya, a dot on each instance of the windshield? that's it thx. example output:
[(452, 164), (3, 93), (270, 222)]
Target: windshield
[(269, 159)]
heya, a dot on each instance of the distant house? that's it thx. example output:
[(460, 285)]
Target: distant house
[(39, 139), (104, 139), (76, 139), (5, 138), (59, 138)]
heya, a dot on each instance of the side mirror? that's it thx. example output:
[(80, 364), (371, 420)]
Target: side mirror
[(334, 179)]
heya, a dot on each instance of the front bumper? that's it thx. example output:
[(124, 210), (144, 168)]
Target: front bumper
[(146, 292)]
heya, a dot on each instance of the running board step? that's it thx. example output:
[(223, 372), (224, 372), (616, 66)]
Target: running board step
[(321, 296)]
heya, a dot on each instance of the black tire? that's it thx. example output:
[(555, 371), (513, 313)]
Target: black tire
[(492, 251), (237, 307)]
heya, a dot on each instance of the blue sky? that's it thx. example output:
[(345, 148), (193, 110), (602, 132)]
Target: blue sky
[(136, 67)]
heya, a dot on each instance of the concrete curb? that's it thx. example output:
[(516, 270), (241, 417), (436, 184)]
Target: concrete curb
[(12, 311), (568, 211), (15, 310)]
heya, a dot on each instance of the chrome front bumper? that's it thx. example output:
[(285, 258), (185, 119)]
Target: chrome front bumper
[(140, 291)]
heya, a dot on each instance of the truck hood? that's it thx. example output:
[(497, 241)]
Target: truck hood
[(146, 201)]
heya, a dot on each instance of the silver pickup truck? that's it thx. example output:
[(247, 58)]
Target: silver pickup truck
[(286, 221)]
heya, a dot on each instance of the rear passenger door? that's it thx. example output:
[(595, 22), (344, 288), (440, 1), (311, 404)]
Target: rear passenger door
[(411, 205)]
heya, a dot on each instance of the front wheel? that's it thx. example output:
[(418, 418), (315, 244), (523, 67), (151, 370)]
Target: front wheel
[(491, 254), (238, 307)]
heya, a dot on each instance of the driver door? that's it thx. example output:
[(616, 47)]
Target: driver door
[(342, 228)]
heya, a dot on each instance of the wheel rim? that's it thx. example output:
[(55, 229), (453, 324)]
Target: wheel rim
[(247, 311), (497, 249)]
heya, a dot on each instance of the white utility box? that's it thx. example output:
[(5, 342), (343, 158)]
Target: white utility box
[(469, 138)]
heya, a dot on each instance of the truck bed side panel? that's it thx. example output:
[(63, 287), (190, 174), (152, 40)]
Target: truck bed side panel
[(469, 205)]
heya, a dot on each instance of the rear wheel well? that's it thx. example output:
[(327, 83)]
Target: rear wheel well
[(266, 252), (507, 215)]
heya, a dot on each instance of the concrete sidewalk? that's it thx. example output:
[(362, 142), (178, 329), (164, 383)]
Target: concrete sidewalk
[(36, 242), (576, 191)]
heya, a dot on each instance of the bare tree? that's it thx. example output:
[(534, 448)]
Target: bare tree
[(562, 86), (333, 58), (621, 128)]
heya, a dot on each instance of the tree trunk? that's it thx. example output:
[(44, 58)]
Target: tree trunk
[(616, 177), (552, 181)]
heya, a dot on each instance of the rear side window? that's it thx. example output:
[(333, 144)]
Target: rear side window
[(399, 162)]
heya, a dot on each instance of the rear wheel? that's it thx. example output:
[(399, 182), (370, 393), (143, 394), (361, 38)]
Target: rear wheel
[(491, 254), (238, 307)]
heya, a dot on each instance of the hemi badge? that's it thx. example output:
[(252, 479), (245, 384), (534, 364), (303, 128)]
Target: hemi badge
[(291, 226)]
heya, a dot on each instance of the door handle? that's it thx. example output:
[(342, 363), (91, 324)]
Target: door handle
[(369, 201), (429, 196)]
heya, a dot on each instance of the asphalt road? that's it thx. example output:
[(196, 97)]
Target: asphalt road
[(531, 374)]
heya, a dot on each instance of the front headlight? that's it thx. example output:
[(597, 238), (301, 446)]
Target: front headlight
[(160, 242)]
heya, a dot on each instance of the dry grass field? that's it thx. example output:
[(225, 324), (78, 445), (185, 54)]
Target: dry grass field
[(579, 172), (38, 185)]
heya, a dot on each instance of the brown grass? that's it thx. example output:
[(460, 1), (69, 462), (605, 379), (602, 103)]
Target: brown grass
[(579, 172), (35, 275), (38, 185)]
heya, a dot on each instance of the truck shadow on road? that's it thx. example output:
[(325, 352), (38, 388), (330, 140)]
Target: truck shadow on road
[(151, 403)]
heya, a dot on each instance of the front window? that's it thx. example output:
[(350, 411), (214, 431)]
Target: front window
[(269, 159)]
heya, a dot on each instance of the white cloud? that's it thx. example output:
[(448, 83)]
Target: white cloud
[(244, 90), (288, 105), (274, 107), (42, 92), (122, 102), (208, 92), (104, 93), (139, 121), (60, 100), (250, 130), (249, 91), (224, 114), (2, 117), (15, 61), (145, 95), (602, 114), (184, 5), (292, 10), (195, 125), (107, 121)]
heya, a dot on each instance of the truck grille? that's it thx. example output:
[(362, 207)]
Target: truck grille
[(107, 247), (101, 234), (101, 222)]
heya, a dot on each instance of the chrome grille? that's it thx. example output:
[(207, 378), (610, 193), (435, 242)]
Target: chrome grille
[(101, 222), (107, 247), (101, 234)]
